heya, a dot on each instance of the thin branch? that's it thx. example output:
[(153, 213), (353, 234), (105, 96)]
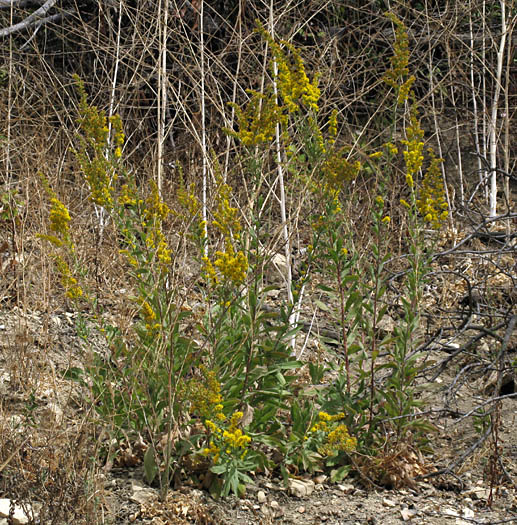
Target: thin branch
[(30, 20)]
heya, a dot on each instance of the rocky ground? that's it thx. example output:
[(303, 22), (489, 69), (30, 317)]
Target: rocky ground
[(35, 414)]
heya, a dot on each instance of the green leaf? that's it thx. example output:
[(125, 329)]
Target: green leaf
[(150, 467), (322, 306), (339, 474)]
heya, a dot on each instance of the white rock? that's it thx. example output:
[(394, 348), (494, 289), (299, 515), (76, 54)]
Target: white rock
[(407, 514), (142, 494), (301, 487), (265, 510), (274, 505), (301, 509), (261, 496), (389, 502), (19, 516), (346, 488)]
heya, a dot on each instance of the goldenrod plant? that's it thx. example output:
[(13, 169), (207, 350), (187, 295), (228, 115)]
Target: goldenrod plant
[(221, 384), (383, 418)]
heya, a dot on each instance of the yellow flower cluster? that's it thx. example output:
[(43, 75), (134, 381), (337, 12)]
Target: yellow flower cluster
[(431, 201), (59, 220), (148, 315), (95, 164), (337, 437), (397, 75), (333, 127), (68, 282), (338, 440), (230, 441), (294, 85), (155, 212), (60, 225), (337, 170), (59, 217), (205, 396), (257, 123), (413, 154), (209, 271), (155, 207), (126, 196), (232, 266), (325, 419)]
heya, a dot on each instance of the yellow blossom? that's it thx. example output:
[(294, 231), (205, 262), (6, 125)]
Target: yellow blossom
[(257, 123), (397, 75), (413, 154), (72, 289), (294, 85), (337, 170), (391, 148), (126, 196), (431, 201), (205, 395), (59, 217)]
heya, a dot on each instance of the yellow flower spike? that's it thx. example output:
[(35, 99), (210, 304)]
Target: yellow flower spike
[(431, 202), (68, 282), (126, 196), (209, 270), (386, 219), (59, 217), (294, 86), (235, 419), (376, 155), (257, 123), (396, 76), (391, 148), (323, 416)]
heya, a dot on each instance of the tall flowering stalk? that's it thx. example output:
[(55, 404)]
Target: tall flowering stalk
[(427, 206), (63, 247)]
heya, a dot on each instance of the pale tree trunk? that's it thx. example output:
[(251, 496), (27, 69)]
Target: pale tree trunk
[(281, 185), (492, 128)]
